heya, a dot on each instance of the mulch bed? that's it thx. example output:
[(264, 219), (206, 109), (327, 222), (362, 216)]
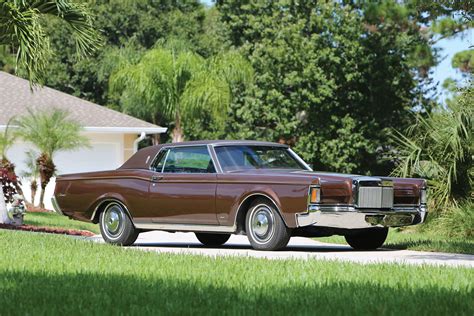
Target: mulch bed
[(50, 230)]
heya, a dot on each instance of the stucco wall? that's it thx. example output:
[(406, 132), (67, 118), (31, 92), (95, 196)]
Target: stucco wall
[(128, 140), (106, 151)]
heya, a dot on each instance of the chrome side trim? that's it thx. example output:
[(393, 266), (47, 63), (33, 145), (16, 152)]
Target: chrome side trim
[(56, 207), (187, 227)]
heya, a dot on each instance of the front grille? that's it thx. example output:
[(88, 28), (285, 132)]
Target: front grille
[(375, 196)]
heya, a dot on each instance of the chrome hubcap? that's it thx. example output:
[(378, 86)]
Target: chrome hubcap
[(262, 223), (113, 220)]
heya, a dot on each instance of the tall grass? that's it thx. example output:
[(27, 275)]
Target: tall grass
[(456, 221)]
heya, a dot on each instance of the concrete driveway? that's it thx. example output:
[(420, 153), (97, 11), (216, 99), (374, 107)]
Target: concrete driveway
[(298, 248)]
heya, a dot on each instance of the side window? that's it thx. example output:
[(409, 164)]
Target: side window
[(189, 160), (159, 161)]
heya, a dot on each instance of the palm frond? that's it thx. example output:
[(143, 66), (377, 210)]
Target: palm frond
[(51, 131), (31, 171), (439, 147), (20, 27), (180, 85), (7, 139)]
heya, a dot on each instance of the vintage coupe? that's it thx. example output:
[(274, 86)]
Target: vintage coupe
[(219, 188)]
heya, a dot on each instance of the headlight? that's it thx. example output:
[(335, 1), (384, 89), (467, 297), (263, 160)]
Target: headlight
[(423, 196), (314, 195)]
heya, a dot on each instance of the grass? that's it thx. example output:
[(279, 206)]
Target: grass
[(44, 274), (58, 221), (397, 239), (413, 239)]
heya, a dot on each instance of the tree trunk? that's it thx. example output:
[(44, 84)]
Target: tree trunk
[(34, 188), (155, 139), (178, 130), (42, 197), (46, 168), (3, 208)]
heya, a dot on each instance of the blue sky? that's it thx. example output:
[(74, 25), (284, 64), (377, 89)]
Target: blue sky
[(449, 48)]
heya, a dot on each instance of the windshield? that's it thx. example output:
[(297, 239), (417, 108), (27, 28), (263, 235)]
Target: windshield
[(233, 158)]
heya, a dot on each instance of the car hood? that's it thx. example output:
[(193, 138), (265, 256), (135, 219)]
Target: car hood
[(323, 176)]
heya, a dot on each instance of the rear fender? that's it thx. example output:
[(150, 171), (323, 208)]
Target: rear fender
[(95, 208)]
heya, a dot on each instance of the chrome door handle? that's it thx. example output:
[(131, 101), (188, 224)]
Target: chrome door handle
[(156, 178)]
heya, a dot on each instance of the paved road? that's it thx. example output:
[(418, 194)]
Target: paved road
[(298, 248)]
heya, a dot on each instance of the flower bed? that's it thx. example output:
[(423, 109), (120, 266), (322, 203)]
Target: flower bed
[(50, 230)]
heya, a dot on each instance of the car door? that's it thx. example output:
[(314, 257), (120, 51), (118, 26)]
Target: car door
[(183, 187)]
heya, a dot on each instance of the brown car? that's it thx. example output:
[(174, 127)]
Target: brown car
[(219, 188)]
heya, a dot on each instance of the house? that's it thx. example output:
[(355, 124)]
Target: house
[(113, 136)]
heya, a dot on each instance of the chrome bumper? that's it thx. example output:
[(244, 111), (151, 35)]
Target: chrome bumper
[(350, 217), (56, 207)]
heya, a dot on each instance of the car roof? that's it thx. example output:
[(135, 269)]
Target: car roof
[(221, 142), (144, 157)]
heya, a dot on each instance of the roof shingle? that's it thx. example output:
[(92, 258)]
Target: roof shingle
[(16, 97)]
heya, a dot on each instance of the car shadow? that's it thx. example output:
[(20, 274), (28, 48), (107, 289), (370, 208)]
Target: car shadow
[(290, 248)]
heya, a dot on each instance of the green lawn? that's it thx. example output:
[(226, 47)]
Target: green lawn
[(412, 239), (397, 239), (58, 221), (43, 274)]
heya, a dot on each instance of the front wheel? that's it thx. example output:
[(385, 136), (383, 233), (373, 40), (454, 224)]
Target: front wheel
[(212, 240), (265, 228), (116, 227), (369, 239)]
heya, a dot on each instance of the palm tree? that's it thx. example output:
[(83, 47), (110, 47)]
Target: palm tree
[(173, 83), (32, 173), (22, 30), (440, 147), (50, 132)]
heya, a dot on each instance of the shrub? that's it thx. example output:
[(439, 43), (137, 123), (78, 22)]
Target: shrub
[(456, 221), (439, 147)]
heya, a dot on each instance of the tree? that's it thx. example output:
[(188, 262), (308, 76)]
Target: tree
[(133, 24), (21, 28), (31, 173), (440, 148), (50, 132), (464, 61), (174, 84), (331, 80)]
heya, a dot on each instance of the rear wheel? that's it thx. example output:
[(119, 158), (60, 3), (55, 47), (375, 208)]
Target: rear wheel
[(369, 239), (212, 240), (116, 227), (265, 228)]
